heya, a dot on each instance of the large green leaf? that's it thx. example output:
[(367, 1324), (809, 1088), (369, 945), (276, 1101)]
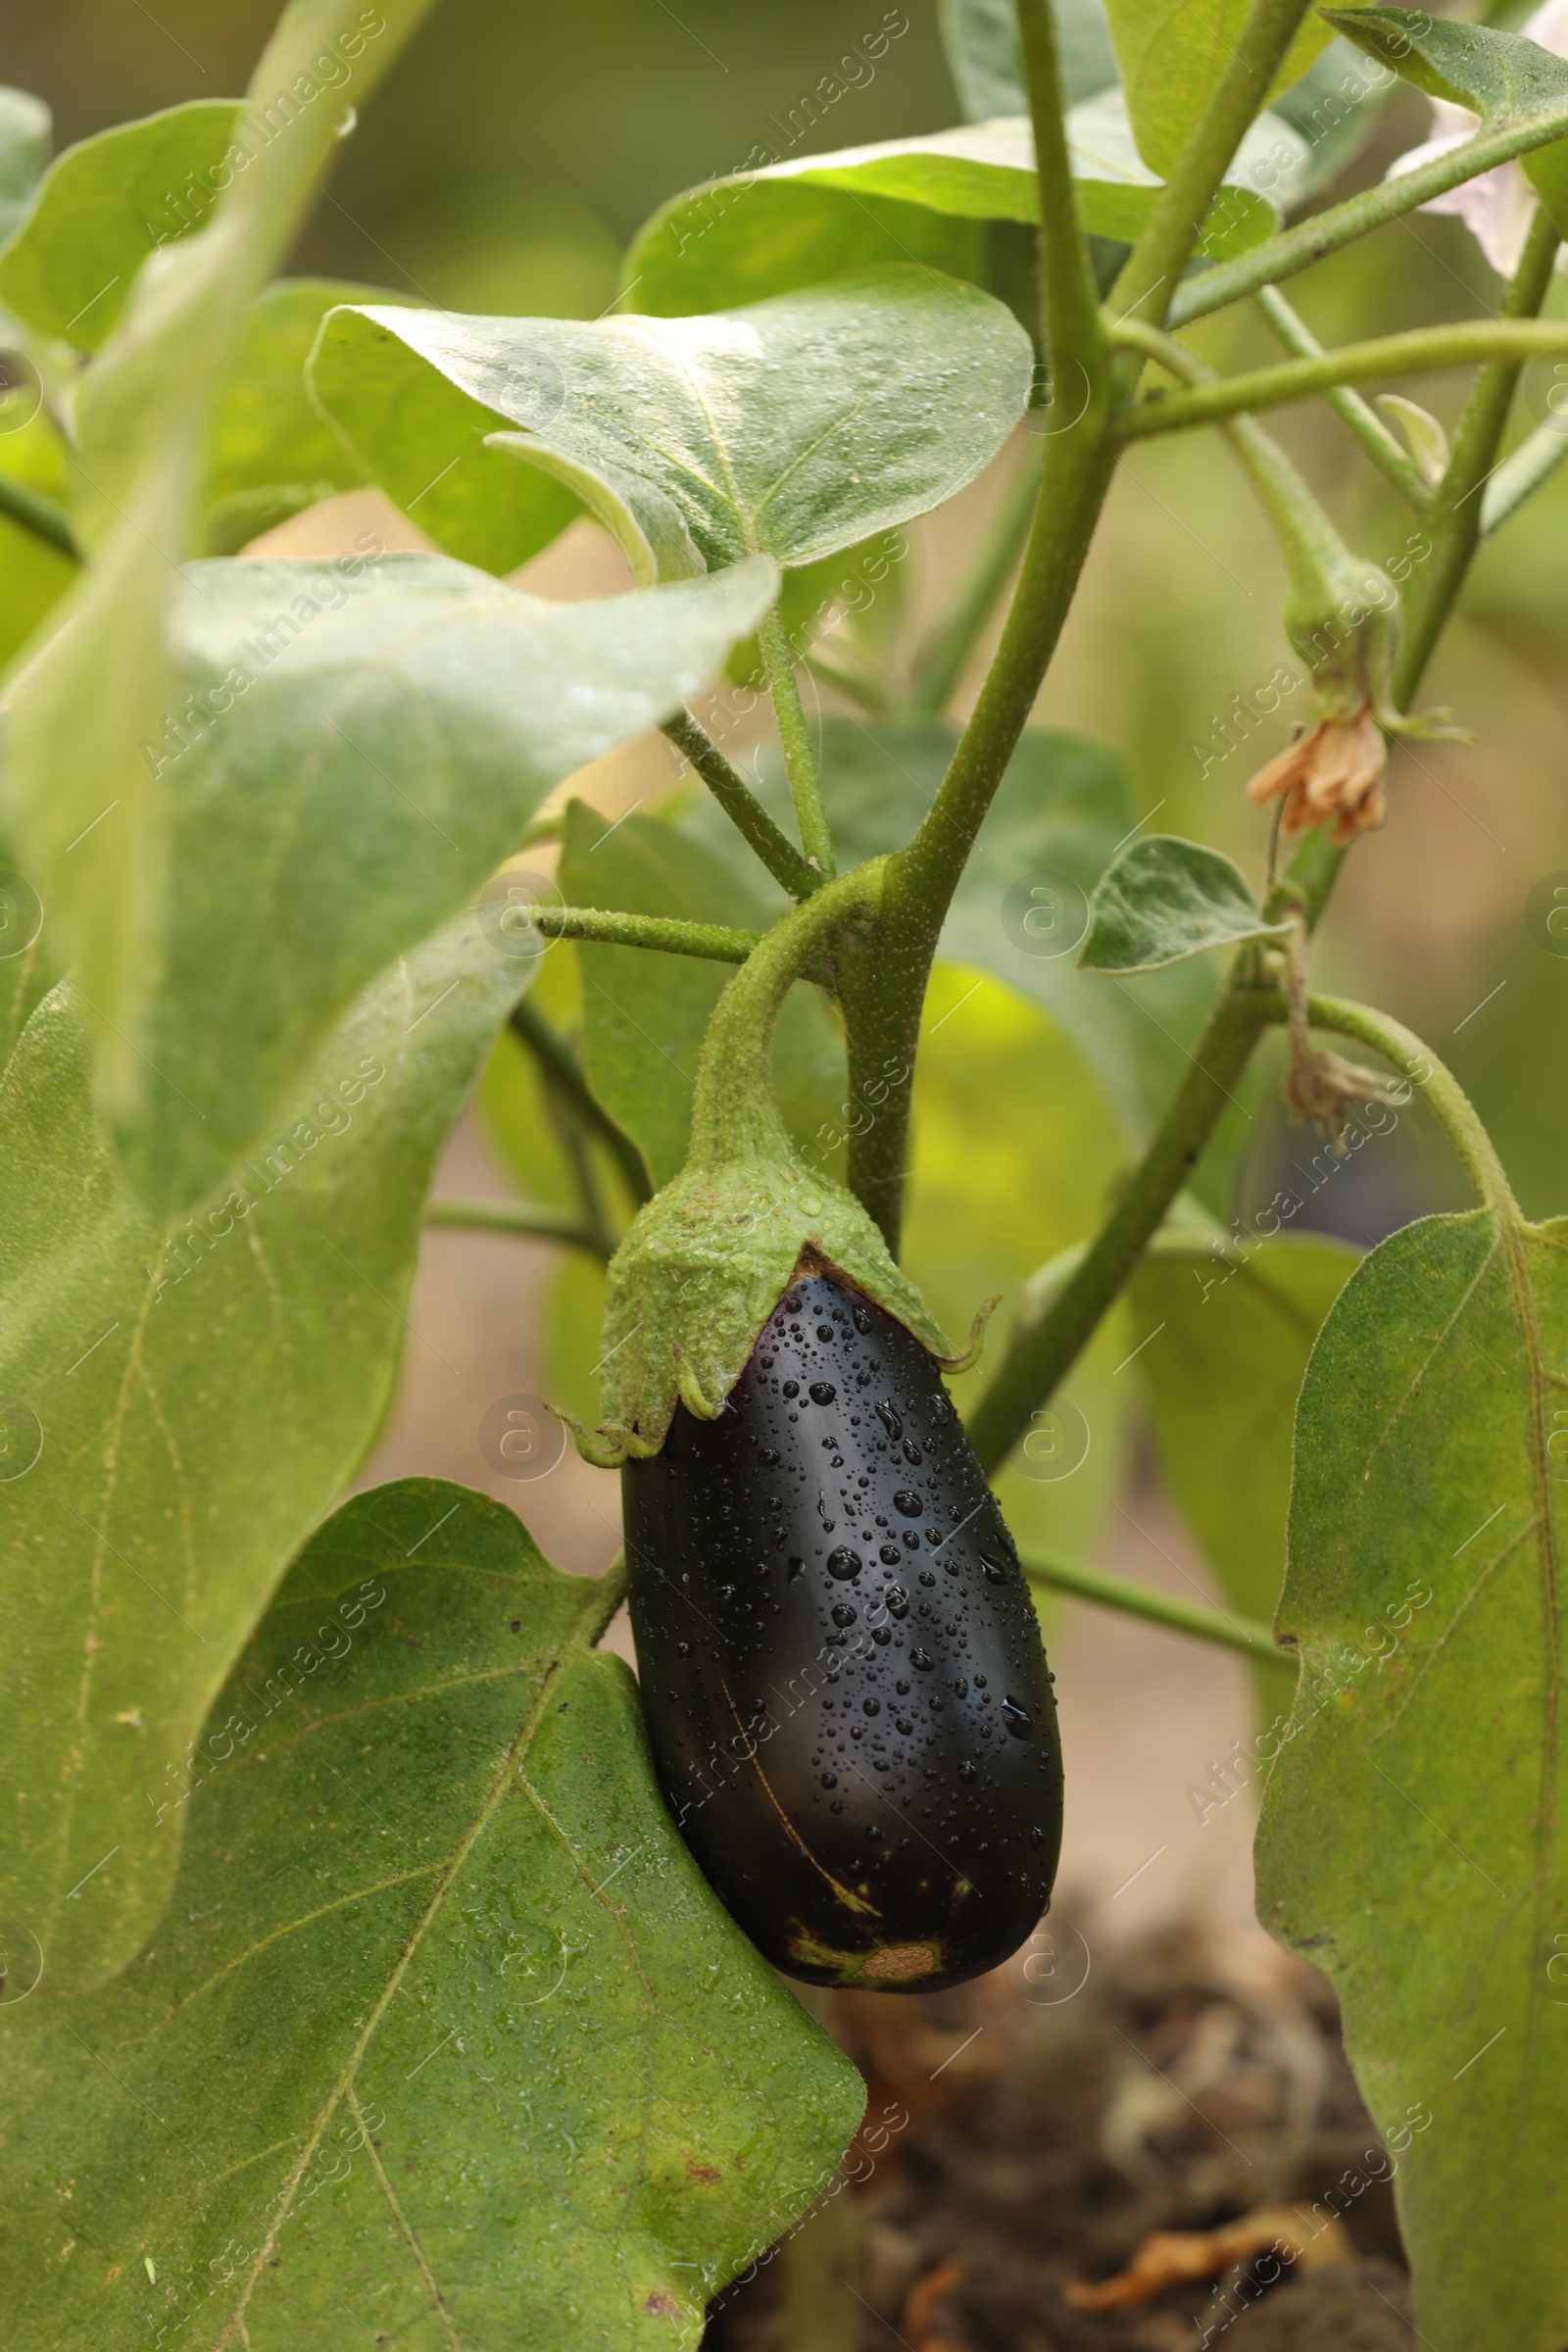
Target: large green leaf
[(199, 1393), (937, 200), (271, 452), (1224, 1330), (357, 747), (793, 428), (86, 807), (981, 40), (444, 2037), (645, 1014), (1500, 75), (1173, 60), (24, 127), (103, 206), (1412, 1839), (1164, 899)]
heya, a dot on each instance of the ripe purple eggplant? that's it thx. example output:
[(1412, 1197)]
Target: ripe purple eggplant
[(846, 1694)]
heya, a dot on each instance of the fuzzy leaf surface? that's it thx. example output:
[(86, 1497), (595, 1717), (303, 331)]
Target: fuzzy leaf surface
[(197, 1394), (428, 1871), (1412, 1834), (24, 127), (941, 198), (791, 428), (1165, 899), (371, 741)]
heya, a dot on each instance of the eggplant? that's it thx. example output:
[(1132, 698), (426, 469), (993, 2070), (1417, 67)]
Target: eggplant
[(845, 1690)]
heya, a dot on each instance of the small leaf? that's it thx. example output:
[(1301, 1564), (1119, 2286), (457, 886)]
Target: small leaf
[(427, 1872), (793, 428), (1428, 443), (1229, 1329), (1412, 1837), (1502, 77), (981, 40), (1173, 60), (1163, 898), (941, 199), (101, 208), (200, 1393), (24, 127), (429, 707)]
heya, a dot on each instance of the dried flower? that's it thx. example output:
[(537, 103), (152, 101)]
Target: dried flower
[(1335, 769)]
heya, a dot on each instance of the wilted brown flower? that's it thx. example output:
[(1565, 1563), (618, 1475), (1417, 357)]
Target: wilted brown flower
[(1333, 770)]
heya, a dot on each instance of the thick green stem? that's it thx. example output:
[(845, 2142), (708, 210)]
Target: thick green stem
[(1245, 1633), (1415, 1061), (1510, 341), (1152, 271), (734, 1111), (531, 1220), (560, 1064), (42, 517), (950, 645), (715, 943), (883, 985), (1041, 1352), (1297, 249), (741, 806), (800, 759), (1394, 463)]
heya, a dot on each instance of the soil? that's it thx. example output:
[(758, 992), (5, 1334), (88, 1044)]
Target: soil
[(1055, 2119)]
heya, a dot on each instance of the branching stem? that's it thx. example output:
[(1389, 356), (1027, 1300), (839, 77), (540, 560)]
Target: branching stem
[(560, 1064), (741, 806), (714, 942), (43, 516), (1361, 419)]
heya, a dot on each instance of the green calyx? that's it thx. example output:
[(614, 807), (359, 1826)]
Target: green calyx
[(708, 1260)]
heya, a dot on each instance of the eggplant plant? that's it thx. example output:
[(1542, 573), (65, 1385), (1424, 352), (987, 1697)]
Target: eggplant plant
[(377, 1954)]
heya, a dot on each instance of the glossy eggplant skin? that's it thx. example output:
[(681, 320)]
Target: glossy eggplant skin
[(842, 1675)]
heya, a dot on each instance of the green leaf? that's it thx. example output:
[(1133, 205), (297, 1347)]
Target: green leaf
[(1336, 105), (981, 40), (102, 207), (645, 1014), (1164, 899), (428, 708), (271, 452), (1173, 59), (86, 809), (1224, 1333), (938, 200), (794, 427), (200, 1393), (25, 127), (1412, 1832), (444, 2034), (1501, 76)]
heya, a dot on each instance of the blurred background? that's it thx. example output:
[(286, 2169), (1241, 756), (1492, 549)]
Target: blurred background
[(504, 166)]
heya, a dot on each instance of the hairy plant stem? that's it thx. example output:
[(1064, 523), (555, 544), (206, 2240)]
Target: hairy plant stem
[(715, 943), (1297, 249), (882, 986), (741, 806), (1252, 1639), (43, 516), (1507, 342), (531, 1220), (561, 1065), (800, 759)]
